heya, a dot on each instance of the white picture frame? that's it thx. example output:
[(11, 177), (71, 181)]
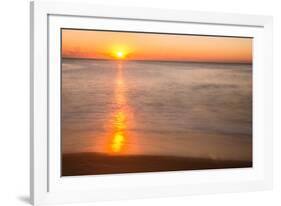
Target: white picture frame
[(47, 186)]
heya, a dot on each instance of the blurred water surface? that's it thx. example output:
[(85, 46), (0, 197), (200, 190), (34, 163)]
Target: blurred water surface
[(157, 108)]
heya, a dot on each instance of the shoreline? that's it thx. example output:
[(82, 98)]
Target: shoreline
[(74, 164)]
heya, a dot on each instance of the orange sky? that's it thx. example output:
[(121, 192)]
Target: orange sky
[(146, 46)]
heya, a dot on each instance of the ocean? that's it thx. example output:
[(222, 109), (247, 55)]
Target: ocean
[(181, 109)]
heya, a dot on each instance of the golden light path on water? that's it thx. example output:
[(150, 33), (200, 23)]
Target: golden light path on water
[(117, 138)]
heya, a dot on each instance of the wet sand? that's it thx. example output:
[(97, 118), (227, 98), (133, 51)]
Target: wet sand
[(97, 163)]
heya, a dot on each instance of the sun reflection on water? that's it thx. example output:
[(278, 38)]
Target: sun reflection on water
[(117, 142), (118, 138)]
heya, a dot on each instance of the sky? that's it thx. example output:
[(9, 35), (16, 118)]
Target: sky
[(159, 47)]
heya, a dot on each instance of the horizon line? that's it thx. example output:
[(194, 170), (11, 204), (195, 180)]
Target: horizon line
[(156, 60)]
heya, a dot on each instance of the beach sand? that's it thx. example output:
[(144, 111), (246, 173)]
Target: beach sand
[(97, 163)]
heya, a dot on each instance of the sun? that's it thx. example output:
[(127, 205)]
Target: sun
[(120, 54)]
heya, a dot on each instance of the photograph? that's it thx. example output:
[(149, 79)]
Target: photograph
[(137, 102)]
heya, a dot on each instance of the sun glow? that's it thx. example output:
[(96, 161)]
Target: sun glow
[(120, 54)]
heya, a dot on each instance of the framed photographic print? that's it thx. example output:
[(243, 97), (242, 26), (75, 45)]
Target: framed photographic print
[(133, 103)]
